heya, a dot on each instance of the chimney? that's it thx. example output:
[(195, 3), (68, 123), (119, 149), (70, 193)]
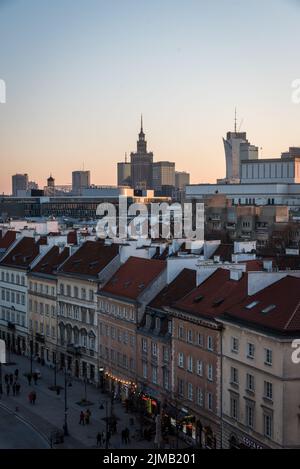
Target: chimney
[(236, 275)]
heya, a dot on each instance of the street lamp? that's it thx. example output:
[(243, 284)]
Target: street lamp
[(106, 421), (66, 431), (2, 360)]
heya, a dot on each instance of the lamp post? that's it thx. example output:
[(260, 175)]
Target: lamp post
[(66, 431), (106, 422)]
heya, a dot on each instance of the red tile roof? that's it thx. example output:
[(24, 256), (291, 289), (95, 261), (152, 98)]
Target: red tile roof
[(51, 261), (224, 251), (90, 259), (180, 287), (253, 265), (134, 277), (8, 239), (22, 254), (276, 307), (215, 295)]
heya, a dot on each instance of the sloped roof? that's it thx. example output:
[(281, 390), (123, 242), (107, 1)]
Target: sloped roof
[(133, 277), (51, 261), (180, 287)]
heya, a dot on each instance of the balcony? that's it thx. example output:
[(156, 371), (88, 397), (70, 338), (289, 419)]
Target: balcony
[(74, 350)]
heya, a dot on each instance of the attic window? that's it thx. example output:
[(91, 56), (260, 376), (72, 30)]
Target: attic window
[(77, 262), (218, 302), (268, 309), (126, 284), (198, 298), (141, 286), (252, 305), (92, 264)]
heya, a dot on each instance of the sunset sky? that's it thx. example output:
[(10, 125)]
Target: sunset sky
[(80, 72)]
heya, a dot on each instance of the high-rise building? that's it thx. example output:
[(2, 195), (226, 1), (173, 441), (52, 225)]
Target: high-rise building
[(141, 164), (19, 184), (237, 149), (124, 173), (80, 180), (294, 152), (163, 174), (182, 179)]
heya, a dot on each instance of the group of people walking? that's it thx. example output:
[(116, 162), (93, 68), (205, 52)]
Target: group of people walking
[(12, 383), (85, 417)]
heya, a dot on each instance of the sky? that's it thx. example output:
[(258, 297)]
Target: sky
[(79, 73)]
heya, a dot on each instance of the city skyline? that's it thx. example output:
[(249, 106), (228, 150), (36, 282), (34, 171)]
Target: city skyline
[(83, 103)]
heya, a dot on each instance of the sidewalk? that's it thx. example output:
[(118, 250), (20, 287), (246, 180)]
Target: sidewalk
[(47, 414)]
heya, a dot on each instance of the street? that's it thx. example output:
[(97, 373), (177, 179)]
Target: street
[(47, 414), (14, 434)]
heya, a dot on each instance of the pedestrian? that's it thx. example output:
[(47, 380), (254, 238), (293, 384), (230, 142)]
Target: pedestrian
[(6, 378), (18, 387), (35, 378), (29, 378), (30, 397), (11, 379), (123, 436), (127, 439), (14, 388), (33, 397), (99, 439), (16, 373), (87, 416), (7, 389), (108, 437), (81, 418)]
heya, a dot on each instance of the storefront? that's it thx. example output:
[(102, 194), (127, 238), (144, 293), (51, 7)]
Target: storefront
[(240, 441), (120, 388)]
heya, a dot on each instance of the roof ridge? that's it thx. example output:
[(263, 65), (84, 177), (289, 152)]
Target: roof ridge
[(292, 316)]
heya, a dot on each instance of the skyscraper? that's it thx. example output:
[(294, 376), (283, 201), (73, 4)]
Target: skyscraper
[(237, 149), (124, 173), (19, 184), (141, 164), (80, 180), (163, 174)]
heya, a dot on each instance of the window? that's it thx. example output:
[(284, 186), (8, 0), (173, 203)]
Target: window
[(234, 408), (268, 390), (154, 349), (250, 415), (166, 356), (190, 392), (268, 425), (83, 294), (210, 372), (190, 366), (190, 336), (145, 370), (209, 401), (199, 368), (154, 374), (234, 345), (200, 340), (180, 388), (180, 360), (144, 345), (268, 357), (250, 384), (91, 295), (68, 290), (250, 350), (76, 292), (210, 343), (200, 397), (234, 375), (180, 332)]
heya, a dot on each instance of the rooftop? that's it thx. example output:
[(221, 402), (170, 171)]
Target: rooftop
[(51, 261), (22, 254), (180, 287), (133, 277), (215, 295), (276, 307), (90, 259)]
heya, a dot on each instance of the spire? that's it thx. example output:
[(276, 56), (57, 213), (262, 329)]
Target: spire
[(142, 130)]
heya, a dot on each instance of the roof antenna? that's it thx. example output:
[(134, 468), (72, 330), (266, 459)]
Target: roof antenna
[(235, 121), (126, 157)]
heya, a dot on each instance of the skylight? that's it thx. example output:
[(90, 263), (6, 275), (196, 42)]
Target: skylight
[(268, 309), (252, 305), (198, 298), (218, 302)]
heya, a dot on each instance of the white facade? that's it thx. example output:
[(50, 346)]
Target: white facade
[(271, 171)]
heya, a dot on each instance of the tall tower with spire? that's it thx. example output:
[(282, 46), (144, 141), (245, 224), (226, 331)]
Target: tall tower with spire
[(141, 163), (237, 148)]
